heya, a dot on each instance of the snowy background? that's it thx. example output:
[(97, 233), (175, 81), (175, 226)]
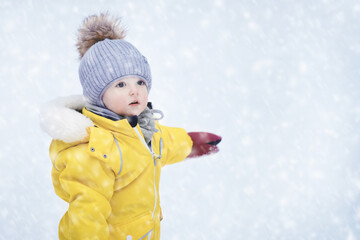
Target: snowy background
[(278, 80)]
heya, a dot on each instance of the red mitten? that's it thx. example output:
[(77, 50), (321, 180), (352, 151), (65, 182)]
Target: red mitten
[(203, 143)]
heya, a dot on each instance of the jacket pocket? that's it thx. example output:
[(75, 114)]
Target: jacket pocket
[(138, 229)]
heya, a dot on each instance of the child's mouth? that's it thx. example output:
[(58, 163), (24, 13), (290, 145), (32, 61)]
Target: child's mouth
[(134, 103)]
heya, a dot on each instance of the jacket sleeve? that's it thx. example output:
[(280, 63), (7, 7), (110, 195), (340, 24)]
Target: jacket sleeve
[(88, 182), (177, 144)]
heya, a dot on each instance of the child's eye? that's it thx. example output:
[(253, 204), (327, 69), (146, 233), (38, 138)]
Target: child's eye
[(121, 84), (141, 82)]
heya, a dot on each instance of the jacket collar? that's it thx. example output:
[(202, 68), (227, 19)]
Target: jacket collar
[(62, 120), (124, 125)]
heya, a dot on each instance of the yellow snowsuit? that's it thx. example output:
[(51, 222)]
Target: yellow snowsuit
[(111, 179)]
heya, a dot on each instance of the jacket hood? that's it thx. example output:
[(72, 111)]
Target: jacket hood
[(62, 120)]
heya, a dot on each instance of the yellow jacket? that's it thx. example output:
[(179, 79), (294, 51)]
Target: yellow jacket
[(111, 179)]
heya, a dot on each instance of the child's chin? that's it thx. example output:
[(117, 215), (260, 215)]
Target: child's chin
[(132, 113)]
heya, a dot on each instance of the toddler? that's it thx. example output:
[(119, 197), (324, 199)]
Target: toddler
[(108, 148)]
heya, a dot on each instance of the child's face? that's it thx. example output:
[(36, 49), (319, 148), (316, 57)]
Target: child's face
[(126, 97)]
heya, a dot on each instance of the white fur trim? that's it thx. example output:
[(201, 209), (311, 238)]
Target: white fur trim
[(60, 120)]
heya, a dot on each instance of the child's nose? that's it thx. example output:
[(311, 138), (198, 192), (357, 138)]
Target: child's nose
[(133, 90)]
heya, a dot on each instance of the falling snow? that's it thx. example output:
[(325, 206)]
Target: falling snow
[(278, 80)]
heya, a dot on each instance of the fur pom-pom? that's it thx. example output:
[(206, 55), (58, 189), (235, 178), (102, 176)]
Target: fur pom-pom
[(96, 28)]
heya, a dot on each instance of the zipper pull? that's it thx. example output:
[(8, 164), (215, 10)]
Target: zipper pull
[(160, 150), (155, 157)]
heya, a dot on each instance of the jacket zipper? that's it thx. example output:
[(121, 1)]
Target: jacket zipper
[(155, 157)]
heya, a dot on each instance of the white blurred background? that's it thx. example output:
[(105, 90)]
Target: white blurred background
[(278, 80)]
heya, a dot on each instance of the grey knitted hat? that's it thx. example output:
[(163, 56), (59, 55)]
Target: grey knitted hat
[(106, 57)]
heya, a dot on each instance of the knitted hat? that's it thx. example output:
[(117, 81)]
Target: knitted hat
[(106, 57)]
